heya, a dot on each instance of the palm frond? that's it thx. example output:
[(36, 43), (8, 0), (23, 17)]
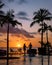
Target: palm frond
[(15, 22), (35, 21), (10, 13), (48, 18), (46, 13), (1, 12), (1, 5), (50, 28), (32, 23), (40, 29), (19, 23)]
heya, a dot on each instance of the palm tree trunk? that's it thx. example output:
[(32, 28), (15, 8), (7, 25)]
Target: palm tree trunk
[(48, 47), (47, 35), (42, 42), (42, 36), (8, 44)]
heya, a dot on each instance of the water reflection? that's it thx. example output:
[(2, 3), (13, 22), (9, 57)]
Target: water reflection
[(26, 60), (30, 60)]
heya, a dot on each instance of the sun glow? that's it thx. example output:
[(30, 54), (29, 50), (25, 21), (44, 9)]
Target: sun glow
[(18, 45)]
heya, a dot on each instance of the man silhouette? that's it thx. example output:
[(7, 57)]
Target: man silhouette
[(24, 48)]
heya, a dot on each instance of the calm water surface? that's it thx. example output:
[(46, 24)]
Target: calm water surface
[(28, 61)]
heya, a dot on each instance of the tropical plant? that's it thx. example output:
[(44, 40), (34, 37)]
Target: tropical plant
[(39, 17), (45, 29), (9, 19)]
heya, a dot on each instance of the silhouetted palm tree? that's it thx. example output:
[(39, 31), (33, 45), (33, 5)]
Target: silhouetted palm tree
[(9, 19), (45, 29), (39, 18)]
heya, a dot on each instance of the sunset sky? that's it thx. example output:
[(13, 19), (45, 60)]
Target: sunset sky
[(23, 10)]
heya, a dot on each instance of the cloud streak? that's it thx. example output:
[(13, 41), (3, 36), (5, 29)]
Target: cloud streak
[(22, 15), (16, 31), (23, 18), (25, 33), (10, 0), (22, 1)]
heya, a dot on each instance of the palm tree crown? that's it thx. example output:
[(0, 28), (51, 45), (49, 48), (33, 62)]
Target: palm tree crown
[(45, 28), (9, 18), (40, 16)]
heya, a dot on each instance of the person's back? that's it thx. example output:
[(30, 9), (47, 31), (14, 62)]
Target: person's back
[(30, 46)]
